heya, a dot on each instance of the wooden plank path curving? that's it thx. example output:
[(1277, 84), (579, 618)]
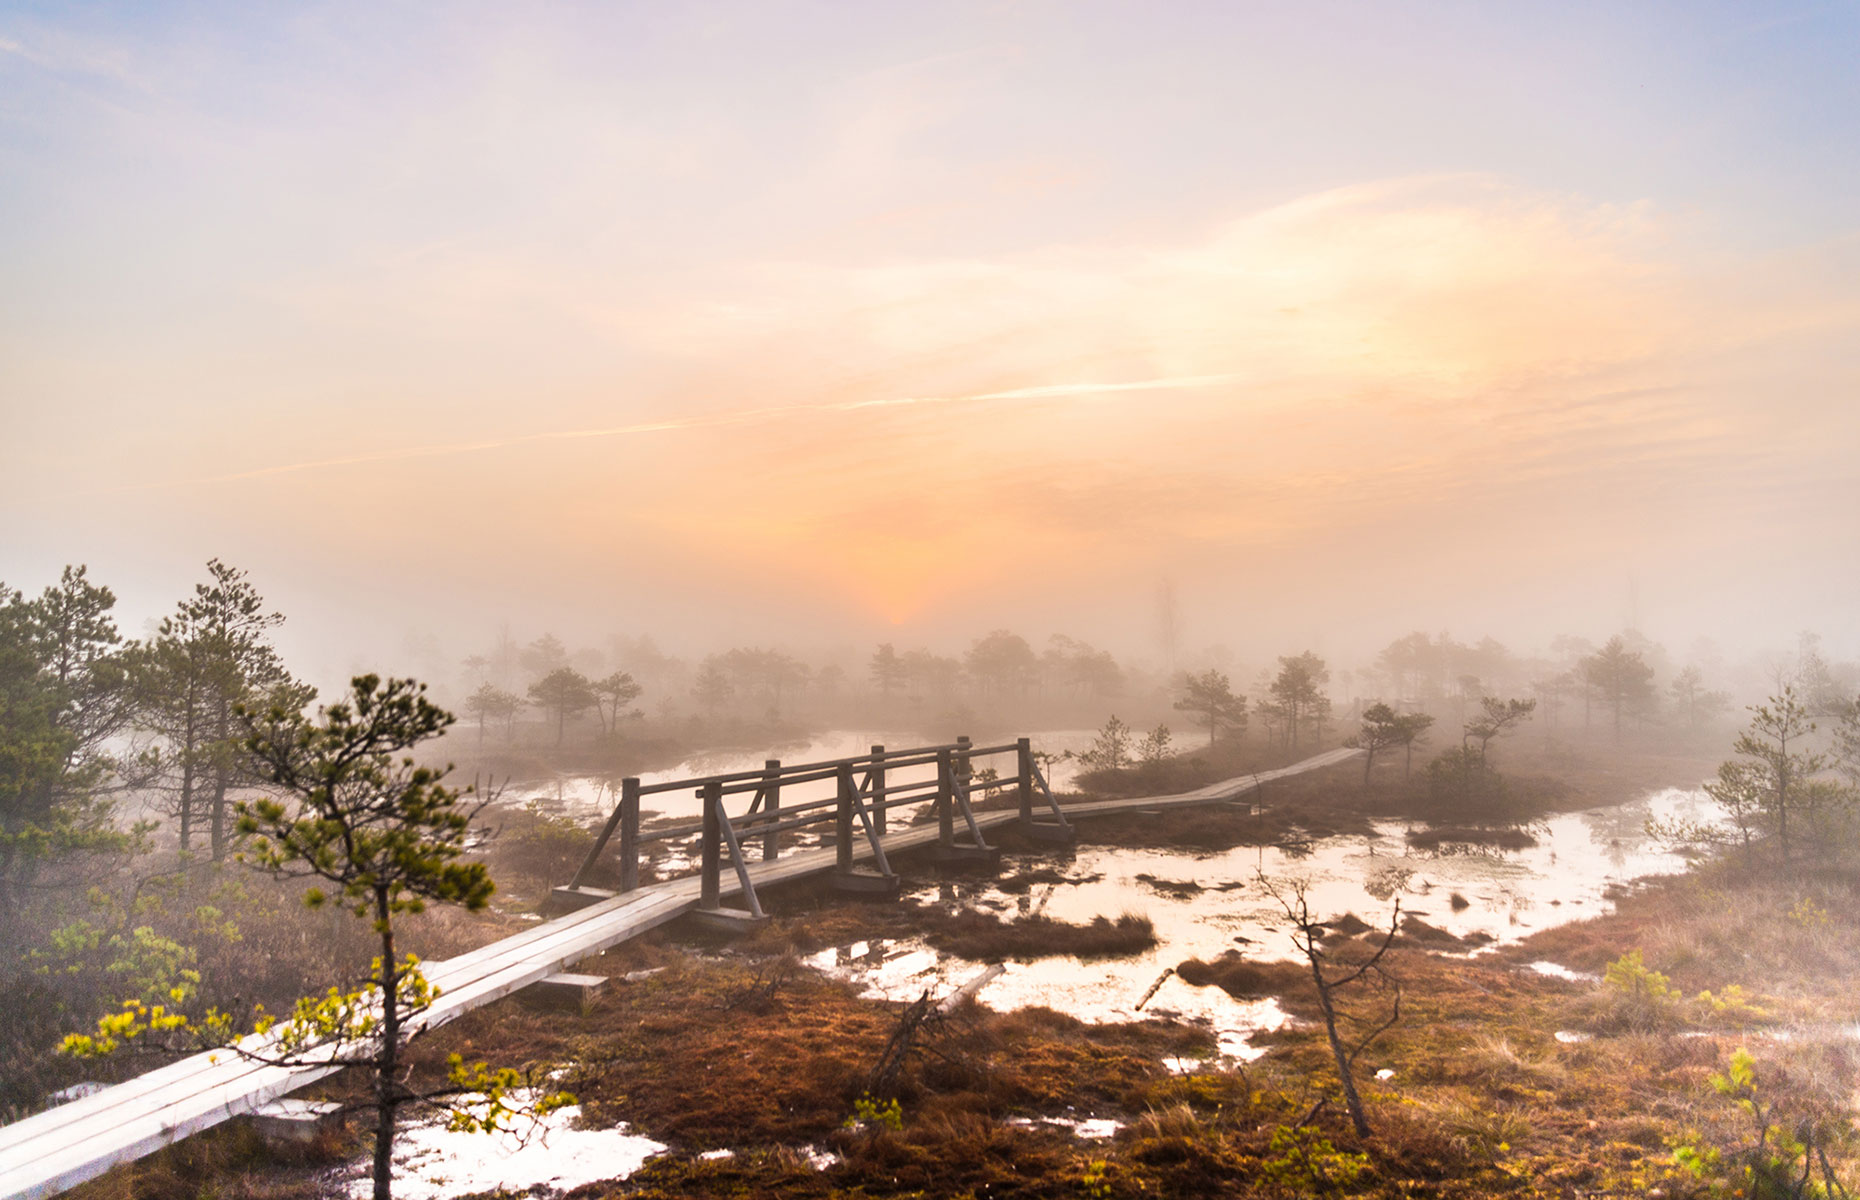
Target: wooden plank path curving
[(48, 1152)]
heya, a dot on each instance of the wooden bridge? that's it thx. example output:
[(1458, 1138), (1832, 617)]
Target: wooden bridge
[(52, 1151)]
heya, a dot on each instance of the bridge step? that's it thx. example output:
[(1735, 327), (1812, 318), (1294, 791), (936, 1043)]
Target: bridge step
[(867, 883), (571, 899), (726, 920), (566, 992), (966, 854), (297, 1122)]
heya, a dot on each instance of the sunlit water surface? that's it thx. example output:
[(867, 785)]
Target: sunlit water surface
[(1206, 904)]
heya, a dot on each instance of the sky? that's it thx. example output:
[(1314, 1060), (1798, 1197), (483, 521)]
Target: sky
[(839, 323)]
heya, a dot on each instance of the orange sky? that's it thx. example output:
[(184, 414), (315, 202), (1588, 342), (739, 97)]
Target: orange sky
[(927, 370)]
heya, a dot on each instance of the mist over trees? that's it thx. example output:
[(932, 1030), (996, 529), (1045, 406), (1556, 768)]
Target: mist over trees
[(124, 762)]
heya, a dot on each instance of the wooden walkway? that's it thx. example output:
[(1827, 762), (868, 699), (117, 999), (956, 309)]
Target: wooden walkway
[(48, 1152)]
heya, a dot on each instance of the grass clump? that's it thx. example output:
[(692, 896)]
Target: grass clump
[(986, 938)]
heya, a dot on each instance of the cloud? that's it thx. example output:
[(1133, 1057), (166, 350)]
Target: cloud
[(1408, 372)]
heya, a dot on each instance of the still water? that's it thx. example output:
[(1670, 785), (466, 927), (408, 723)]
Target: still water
[(1206, 904)]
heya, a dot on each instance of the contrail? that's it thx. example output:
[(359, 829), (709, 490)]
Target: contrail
[(718, 420)]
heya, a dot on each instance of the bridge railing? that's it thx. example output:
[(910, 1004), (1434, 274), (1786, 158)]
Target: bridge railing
[(865, 792)]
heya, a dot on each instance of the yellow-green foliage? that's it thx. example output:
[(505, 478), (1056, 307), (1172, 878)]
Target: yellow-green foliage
[(495, 1085), (1731, 1004), (1631, 976), (1302, 1159), (1808, 914), (875, 1114), (336, 1019), (1642, 997), (1786, 1148)]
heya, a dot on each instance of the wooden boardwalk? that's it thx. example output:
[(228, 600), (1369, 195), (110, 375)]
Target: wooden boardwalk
[(48, 1152)]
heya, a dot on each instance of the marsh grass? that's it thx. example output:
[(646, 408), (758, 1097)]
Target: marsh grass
[(983, 937)]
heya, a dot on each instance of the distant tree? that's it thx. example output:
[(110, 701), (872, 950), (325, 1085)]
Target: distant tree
[(1847, 741), (565, 692), (887, 670), (1096, 673), (641, 658), (1774, 741), (1411, 728), (494, 703), (1815, 680), (1003, 662), (1078, 668), (210, 656), (1620, 678), (543, 656), (786, 675), (1299, 690), (1467, 690), (1110, 750), (1405, 663), (1695, 703), (1741, 789), (1382, 729), (769, 674), (1497, 717), (712, 688), (612, 694), (476, 665), (1155, 746), (1211, 698), (936, 674)]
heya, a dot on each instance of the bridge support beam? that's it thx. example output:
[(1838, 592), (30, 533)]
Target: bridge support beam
[(625, 819), (1058, 830), (881, 880), (717, 833), (952, 797)]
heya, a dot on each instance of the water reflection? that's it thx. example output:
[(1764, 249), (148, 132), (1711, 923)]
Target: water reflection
[(1204, 904)]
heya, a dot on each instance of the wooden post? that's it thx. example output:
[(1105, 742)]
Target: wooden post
[(964, 771), (877, 776), (629, 834), (1025, 760), (842, 826), (771, 807), (711, 890), (945, 799)]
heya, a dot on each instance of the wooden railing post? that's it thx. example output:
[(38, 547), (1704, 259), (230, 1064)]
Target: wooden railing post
[(843, 824), (629, 834), (945, 799), (711, 889), (964, 770), (1024, 759), (771, 805), (878, 789)]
